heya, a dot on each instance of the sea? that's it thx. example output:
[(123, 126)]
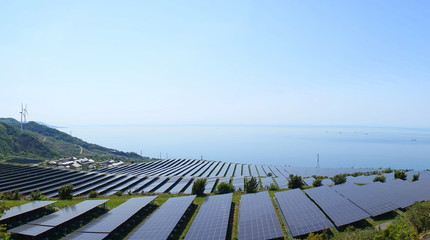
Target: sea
[(296, 146)]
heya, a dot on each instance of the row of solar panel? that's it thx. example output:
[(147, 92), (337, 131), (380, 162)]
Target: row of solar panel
[(313, 210), (204, 168), (49, 180)]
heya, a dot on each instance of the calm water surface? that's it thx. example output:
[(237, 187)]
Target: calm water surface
[(276, 145)]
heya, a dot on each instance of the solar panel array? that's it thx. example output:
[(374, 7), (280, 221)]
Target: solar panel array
[(370, 201), (51, 221), (20, 210), (339, 209), (300, 213), (257, 217), (115, 218), (164, 220), (211, 222), (140, 177)]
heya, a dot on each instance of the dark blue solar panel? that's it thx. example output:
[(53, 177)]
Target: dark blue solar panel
[(24, 208), (211, 222), (300, 213), (340, 210), (53, 220), (370, 201), (164, 220), (257, 219)]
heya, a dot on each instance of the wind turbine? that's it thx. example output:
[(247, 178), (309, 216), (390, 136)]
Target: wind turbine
[(23, 113)]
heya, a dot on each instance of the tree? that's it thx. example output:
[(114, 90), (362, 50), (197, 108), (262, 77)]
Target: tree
[(379, 178), (415, 177), (339, 179), (400, 174), (65, 192), (295, 181), (199, 186), (224, 188), (317, 182), (251, 185), (418, 215)]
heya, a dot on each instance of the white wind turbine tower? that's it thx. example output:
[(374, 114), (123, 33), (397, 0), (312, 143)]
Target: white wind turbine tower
[(23, 113)]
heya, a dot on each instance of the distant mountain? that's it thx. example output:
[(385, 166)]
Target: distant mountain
[(40, 142)]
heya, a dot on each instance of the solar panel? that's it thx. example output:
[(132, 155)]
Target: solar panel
[(300, 213), (113, 219), (164, 220), (370, 201), (23, 209), (266, 181), (86, 236), (211, 222), (179, 186), (239, 182), (282, 182), (339, 209), (257, 217), (210, 183), (55, 219)]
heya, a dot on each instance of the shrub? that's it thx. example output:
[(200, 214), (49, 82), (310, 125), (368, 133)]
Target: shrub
[(317, 182), (4, 235), (118, 193), (273, 187), (295, 181), (93, 194), (400, 174), (224, 188), (415, 177), (418, 214), (65, 192), (388, 170), (251, 185), (12, 195), (199, 186), (379, 178), (398, 230), (269, 174), (339, 179), (37, 195)]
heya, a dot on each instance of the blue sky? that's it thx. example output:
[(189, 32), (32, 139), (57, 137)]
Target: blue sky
[(216, 62)]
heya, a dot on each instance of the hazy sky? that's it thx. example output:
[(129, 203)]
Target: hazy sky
[(216, 62)]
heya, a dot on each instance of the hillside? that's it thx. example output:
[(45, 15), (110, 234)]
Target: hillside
[(39, 142)]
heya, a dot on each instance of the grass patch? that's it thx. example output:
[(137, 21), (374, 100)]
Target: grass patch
[(13, 203)]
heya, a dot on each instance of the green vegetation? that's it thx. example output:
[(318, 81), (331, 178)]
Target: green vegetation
[(224, 188), (199, 186), (295, 181), (65, 192), (251, 185), (273, 187), (118, 193), (317, 182), (3, 234), (400, 174), (93, 194), (415, 177), (339, 179), (37, 143), (12, 195), (37, 195), (379, 178)]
